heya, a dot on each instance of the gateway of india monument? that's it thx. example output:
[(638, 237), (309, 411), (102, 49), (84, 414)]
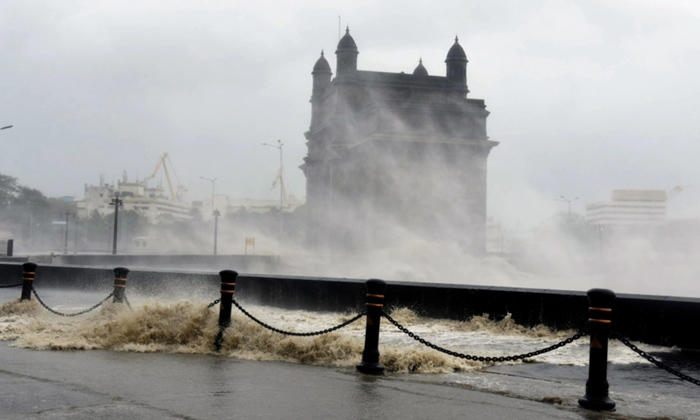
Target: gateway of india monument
[(394, 156)]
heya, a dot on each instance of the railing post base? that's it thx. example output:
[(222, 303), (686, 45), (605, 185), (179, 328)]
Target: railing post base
[(596, 403), (370, 368)]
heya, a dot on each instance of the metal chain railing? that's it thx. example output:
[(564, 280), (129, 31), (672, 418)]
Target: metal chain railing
[(73, 314), (651, 359), (128, 304), (211, 305), (482, 358), (4, 286), (306, 334)]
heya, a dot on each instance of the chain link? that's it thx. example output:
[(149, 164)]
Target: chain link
[(651, 359), (69, 315), (481, 358), (126, 300), (211, 305), (306, 334), (4, 286)]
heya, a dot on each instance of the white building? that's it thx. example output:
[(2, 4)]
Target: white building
[(137, 196), (261, 206), (226, 205), (629, 208)]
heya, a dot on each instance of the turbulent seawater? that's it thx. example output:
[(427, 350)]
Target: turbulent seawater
[(189, 326)]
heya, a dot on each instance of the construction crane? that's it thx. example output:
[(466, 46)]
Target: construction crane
[(282, 179), (675, 191), (176, 191)]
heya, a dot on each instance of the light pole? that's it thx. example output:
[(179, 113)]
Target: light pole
[(31, 224), (280, 178), (216, 227), (116, 202), (75, 243), (569, 202), (216, 212), (65, 232), (213, 183)]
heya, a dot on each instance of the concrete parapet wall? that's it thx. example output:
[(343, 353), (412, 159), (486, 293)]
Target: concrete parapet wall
[(245, 263), (150, 282), (14, 259), (658, 320)]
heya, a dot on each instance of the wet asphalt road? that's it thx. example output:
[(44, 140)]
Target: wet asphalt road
[(111, 385)]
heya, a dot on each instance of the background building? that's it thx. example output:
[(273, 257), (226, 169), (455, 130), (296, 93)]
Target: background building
[(137, 196), (227, 206), (629, 207)]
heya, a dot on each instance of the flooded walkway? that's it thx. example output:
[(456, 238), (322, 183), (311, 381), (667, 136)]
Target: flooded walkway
[(155, 362), (112, 385)]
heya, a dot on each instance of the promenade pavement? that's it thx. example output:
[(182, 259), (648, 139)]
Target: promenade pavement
[(80, 385)]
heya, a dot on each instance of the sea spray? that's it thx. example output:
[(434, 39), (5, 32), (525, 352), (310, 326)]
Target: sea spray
[(14, 315), (181, 327), (19, 307), (339, 349), (191, 327)]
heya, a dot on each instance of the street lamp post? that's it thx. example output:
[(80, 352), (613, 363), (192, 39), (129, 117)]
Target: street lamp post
[(216, 212), (280, 178), (116, 202), (213, 184), (216, 228), (75, 243), (31, 224), (568, 201), (213, 181), (65, 232)]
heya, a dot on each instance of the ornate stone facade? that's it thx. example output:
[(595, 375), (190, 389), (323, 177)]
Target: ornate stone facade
[(395, 153)]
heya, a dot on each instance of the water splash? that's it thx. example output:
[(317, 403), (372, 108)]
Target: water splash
[(19, 307), (191, 327)]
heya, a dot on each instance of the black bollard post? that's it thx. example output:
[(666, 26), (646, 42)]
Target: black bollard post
[(29, 269), (375, 302), (120, 274), (600, 313), (228, 288)]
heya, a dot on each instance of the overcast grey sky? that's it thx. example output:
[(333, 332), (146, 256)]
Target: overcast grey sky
[(585, 97)]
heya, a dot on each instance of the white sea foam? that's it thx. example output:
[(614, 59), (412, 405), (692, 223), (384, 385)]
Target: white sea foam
[(158, 325)]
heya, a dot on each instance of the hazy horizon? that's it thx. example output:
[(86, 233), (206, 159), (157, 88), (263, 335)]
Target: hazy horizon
[(584, 99)]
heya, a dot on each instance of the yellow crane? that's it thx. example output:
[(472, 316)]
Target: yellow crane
[(176, 191), (675, 191)]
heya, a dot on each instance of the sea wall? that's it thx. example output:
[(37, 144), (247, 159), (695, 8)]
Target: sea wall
[(150, 282), (13, 259), (659, 320), (244, 263)]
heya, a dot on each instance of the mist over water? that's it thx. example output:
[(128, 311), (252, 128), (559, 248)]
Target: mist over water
[(163, 325), (633, 266)]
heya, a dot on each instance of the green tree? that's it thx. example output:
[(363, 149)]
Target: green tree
[(25, 213), (8, 190), (31, 198)]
